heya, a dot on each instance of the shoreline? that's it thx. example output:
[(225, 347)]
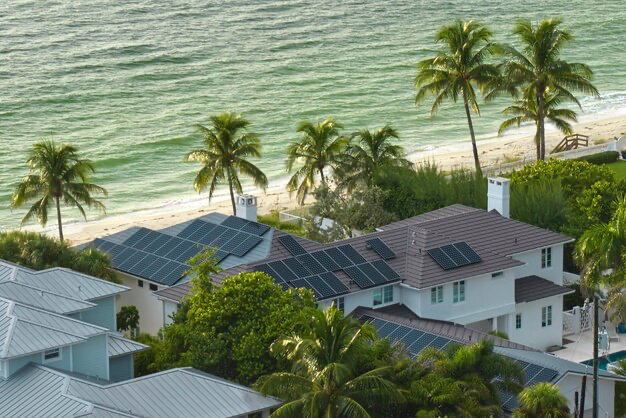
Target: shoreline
[(518, 144)]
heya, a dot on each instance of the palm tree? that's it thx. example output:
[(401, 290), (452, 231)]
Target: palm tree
[(526, 110), (322, 380), (476, 372), (542, 400), (321, 146), (57, 174), (224, 158), (538, 68), (458, 70), (372, 150)]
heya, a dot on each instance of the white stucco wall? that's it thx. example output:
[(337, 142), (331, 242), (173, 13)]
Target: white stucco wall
[(149, 307), (532, 259), (169, 308), (363, 298), (572, 383), (532, 333)]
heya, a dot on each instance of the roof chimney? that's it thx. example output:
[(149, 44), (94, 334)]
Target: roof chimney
[(498, 196), (245, 207)]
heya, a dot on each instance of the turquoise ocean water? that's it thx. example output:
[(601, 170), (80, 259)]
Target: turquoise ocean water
[(127, 80)]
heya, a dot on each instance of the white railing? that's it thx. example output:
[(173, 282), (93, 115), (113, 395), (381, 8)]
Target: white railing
[(578, 319)]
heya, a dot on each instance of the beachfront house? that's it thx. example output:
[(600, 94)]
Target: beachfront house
[(60, 356)]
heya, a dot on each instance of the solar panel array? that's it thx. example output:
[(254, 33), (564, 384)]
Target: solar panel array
[(316, 270), (416, 341), (381, 248), (454, 255), (162, 257)]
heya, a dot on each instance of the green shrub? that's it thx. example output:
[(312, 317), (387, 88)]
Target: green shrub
[(272, 219), (600, 158), (540, 203), (39, 252)]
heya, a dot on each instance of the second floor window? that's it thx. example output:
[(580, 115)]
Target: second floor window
[(383, 295), (51, 355), (458, 291), (518, 321), (546, 316), (546, 257), (339, 303), (436, 295)]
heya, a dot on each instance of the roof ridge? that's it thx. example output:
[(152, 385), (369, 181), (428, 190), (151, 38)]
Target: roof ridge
[(37, 324), (67, 318), (48, 291), (77, 273), (9, 335)]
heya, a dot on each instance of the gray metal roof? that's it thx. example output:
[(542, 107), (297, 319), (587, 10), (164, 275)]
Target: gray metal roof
[(185, 392), (61, 281), (26, 330), (44, 299), (119, 346), (531, 288)]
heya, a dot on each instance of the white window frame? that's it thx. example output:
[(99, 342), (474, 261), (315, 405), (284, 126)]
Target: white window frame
[(546, 316), (382, 295), (436, 295), (458, 291), (518, 321), (546, 257), (53, 359), (340, 303)]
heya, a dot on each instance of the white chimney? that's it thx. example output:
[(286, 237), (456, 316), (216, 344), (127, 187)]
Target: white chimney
[(498, 195), (245, 206)]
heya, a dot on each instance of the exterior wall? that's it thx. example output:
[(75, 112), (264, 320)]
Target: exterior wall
[(103, 314), (485, 297), (150, 308), (63, 363), (363, 298), (169, 308), (572, 383), (17, 363), (533, 264), (532, 333), (92, 357), (121, 368)]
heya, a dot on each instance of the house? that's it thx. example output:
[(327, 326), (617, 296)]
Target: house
[(147, 261), (472, 267), (61, 356)]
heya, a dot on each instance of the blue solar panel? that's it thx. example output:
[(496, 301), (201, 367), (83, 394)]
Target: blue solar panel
[(115, 250), (439, 342), (118, 259), (170, 273), (255, 228), (387, 329), (357, 275), (157, 243), (153, 267), (371, 273), (145, 262), (219, 255), (531, 371), (399, 333), (326, 261), (281, 269), (146, 240), (311, 264), (189, 253), (352, 254), (292, 245), (200, 231), (303, 283), (224, 238), (467, 252), (421, 344), (265, 268), (139, 234), (333, 281), (411, 337), (338, 257), (131, 261), (381, 248), (441, 258), (388, 273), (295, 266), (234, 222), (323, 289), (234, 242), (455, 255), (191, 228), (168, 246), (180, 249), (213, 234), (246, 245)]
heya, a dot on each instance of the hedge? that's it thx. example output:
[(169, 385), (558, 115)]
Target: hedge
[(600, 158)]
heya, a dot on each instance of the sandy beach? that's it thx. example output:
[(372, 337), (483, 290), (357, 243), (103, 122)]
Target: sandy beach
[(516, 145)]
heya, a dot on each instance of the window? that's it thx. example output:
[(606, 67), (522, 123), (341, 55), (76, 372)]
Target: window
[(154, 287), (546, 257), (339, 303), (383, 295), (458, 291), (546, 316), (52, 355), (518, 321), (436, 295), (140, 283), (497, 274)]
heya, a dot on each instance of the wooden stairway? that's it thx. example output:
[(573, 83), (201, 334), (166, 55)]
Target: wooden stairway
[(571, 142)]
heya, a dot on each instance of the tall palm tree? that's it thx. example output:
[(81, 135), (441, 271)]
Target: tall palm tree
[(458, 70), (372, 150), (526, 110), (542, 400), (322, 381), (538, 67), (57, 175), (224, 158), (477, 372), (321, 146)]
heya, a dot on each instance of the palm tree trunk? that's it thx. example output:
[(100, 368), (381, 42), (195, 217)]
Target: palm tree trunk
[(479, 172), (542, 133), (594, 411), (58, 204), (322, 174), (232, 194)]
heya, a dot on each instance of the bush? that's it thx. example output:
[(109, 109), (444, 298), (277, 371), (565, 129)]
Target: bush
[(540, 203), (600, 158), (40, 252), (272, 219)]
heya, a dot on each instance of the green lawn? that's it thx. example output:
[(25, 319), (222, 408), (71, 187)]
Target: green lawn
[(619, 168)]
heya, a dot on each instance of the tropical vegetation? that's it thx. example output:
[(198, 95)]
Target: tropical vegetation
[(459, 71), (320, 147), (57, 175), (542, 400), (228, 146)]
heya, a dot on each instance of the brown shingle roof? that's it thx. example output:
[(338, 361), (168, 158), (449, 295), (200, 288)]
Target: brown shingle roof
[(531, 288)]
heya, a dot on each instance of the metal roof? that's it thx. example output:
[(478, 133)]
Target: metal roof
[(185, 392), (26, 330), (61, 281), (531, 288), (44, 299), (118, 346)]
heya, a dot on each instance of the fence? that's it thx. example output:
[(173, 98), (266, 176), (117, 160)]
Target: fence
[(578, 319)]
